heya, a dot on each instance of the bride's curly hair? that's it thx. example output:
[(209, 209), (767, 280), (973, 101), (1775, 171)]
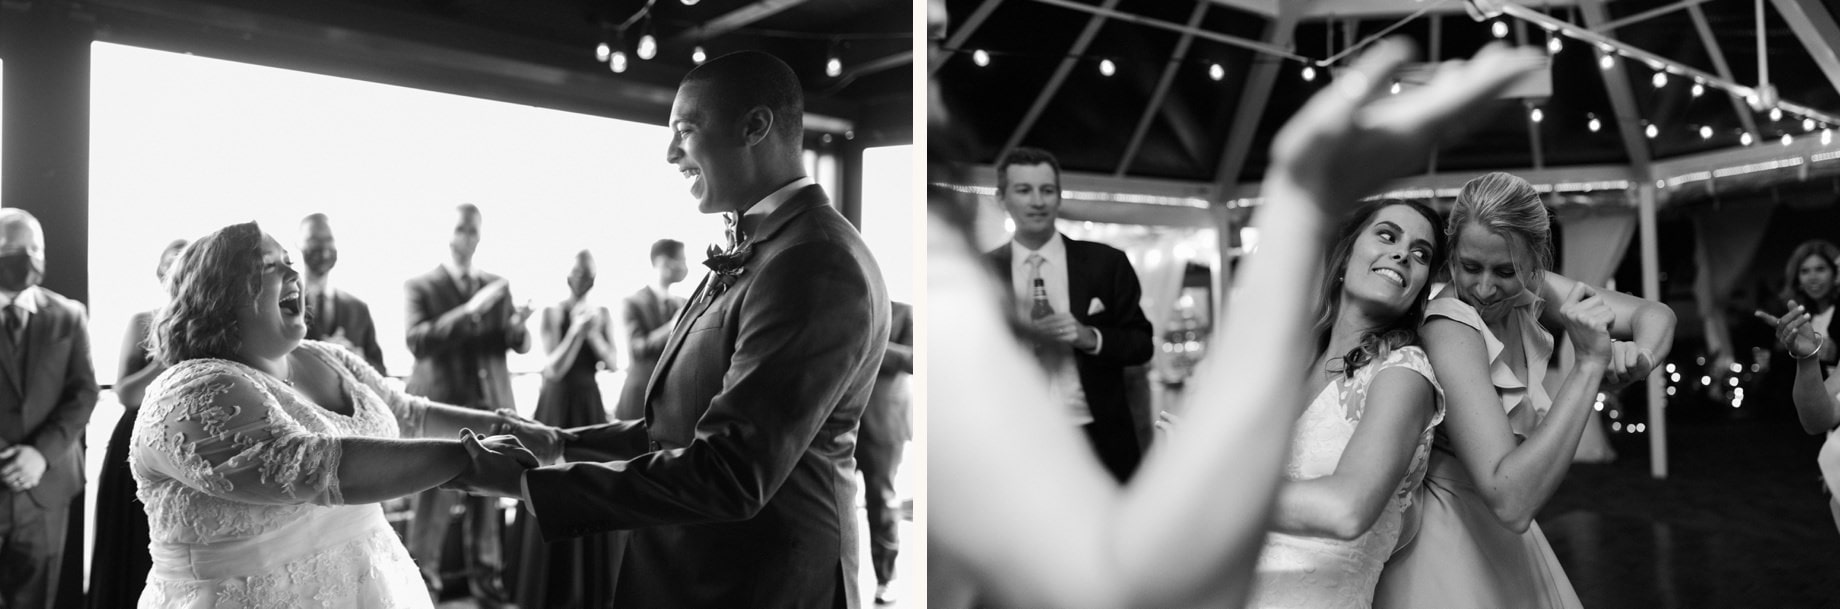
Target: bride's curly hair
[(1401, 332), (211, 279)]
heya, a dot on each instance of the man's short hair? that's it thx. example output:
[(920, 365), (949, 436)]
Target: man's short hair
[(745, 79), (1025, 156), (667, 247)]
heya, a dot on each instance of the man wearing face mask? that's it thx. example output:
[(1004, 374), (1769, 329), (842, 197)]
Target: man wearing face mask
[(333, 315), (47, 390)]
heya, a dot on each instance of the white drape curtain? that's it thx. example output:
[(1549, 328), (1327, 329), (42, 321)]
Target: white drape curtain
[(1725, 240), (1595, 241)]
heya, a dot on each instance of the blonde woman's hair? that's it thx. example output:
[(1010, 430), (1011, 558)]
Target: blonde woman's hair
[(1509, 207)]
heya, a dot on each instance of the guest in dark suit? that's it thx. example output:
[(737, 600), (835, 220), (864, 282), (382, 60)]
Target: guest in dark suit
[(120, 561), (461, 322), (648, 315), (739, 484), (334, 315), (47, 391), (886, 428), (1094, 296)]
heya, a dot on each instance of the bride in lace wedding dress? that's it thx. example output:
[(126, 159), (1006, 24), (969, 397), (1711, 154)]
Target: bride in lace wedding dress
[(261, 458), (1362, 445)]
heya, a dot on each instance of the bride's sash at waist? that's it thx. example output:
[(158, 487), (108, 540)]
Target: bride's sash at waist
[(267, 552)]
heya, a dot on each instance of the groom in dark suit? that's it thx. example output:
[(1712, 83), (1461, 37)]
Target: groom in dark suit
[(461, 322), (1091, 306), (739, 483), (47, 391)]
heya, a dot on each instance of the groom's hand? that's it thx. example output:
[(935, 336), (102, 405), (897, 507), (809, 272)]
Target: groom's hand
[(497, 467)]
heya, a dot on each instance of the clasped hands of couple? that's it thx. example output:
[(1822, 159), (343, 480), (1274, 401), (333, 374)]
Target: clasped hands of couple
[(498, 461)]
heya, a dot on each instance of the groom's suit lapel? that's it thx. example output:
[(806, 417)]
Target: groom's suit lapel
[(804, 200)]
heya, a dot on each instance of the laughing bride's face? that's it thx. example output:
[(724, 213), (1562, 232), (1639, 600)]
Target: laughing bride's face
[(275, 322)]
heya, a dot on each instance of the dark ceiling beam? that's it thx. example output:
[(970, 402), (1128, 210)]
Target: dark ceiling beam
[(1107, 11), (1738, 106), (1251, 106), (873, 66), (1263, 8), (1373, 9), (1622, 99), (1059, 78), (389, 47), (1814, 25), (1162, 89), (960, 35), (735, 19), (1646, 15)]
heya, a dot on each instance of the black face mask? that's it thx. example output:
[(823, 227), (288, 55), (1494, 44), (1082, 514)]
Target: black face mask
[(320, 260), (20, 271)]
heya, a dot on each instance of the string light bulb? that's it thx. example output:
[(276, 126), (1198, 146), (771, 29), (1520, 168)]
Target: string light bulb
[(697, 55), (833, 64), (1827, 136), (1594, 125), (1698, 89), (1745, 138), (1536, 115), (1652, 131), (603, 51), (980, 57), (1554, 45), (1396, 88), (689, 2), (1705, 132), (648, 46), (1499, 29), (1309, 73), (1660, 80), (1787, 139), (1775, 114), (1808, 124), (617, 62), (1216, 72), (1606, 62), (1107, 68)]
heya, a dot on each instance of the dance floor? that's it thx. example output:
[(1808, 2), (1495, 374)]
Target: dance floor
[(1741, 521)]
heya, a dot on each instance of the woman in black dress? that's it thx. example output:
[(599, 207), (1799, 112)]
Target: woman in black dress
[(578, 338), (120, 563)]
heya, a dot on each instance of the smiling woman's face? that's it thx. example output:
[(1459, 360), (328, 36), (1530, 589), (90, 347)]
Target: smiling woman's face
[(275, 322)]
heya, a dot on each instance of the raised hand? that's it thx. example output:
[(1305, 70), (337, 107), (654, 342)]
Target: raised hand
[(1587, 321), (1794, 331), (1349, 139), (487, 296)]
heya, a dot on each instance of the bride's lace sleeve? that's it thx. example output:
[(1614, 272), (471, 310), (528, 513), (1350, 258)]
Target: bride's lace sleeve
[(411, 411), (220, 433)]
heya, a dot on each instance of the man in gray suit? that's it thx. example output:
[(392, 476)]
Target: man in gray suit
[(648, 315), (47, 390)]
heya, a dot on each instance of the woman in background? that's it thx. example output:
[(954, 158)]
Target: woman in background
[(1816, 395), (120, 562), (577, 573)]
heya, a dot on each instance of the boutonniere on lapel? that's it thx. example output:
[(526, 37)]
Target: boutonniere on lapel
[(728, 263)]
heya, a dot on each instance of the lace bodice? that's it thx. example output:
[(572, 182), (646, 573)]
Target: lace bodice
[(239, 473), (1320, 572)]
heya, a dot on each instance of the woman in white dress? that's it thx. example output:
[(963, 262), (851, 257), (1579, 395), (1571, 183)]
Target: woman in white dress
[(1360, 448), (262, 458)]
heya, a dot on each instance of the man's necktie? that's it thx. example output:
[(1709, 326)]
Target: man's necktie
[(15, 325)]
